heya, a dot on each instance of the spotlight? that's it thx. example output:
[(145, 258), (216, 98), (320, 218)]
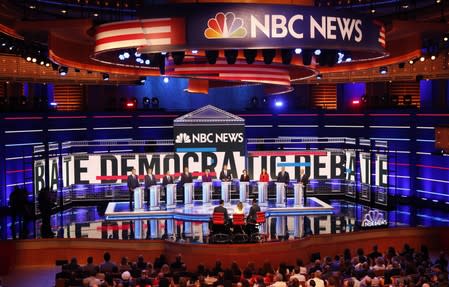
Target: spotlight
[(250, 55), (411, 62), (126, 55), (278, 103), (286, 55), (422, 58), (349, 59), (139, 60), (146, 102), (178, 57), (147, 62), (194, 52), (373, 11), (166, 80), (142, 80), (211, 56), (268, 55), (433, 57), (47, 64), (355, 102), (28, 59), (445, 39), (95, 14), (137, 54), (298, 51), (105, 77), (42, 63), (383, 70), (319, 77), (231, 56), (121, 57), (34, 60), (317, 52), (63, 70)]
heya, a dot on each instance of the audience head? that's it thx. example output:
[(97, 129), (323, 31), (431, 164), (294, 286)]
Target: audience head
[(254, 201), (221, 202), (240, 205), (312, 283), (106, 256), (90, 260)]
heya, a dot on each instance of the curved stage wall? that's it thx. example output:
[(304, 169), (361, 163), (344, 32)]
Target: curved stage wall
[(416, 170), (44, 252)]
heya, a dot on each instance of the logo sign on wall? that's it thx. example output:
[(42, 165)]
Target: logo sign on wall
[(261, 26)]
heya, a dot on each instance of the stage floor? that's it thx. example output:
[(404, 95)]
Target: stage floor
[(202, 213)]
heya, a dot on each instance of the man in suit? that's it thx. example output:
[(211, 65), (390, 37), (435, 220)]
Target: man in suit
[(283, 176), (186, 176), (206, 177), (221, 209), (149, 180), (133, 182), (304, 180), (167, 179), (252, 216), (225, 175)]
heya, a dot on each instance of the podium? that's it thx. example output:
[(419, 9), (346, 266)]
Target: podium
[(155, 197), (226, 191), (280, 194), (207, 192), (243, 191), (262, 188), (188, 194), (171, 195), (298, 191), (138, 199)]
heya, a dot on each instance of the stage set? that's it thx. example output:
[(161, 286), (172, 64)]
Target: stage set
[(210, 139)]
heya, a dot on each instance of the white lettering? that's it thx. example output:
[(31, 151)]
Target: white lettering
[(278, 23), (331, 28), (358, 29), (315, 26), (291, 30), (265, 27), (346, 26)]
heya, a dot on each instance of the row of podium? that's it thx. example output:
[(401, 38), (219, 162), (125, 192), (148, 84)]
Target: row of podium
[(262, 187)]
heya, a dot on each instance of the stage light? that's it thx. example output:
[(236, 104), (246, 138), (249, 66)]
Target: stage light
[(163, 53), (433, 57), (130, 105), (298, 51), (411, 62), (286, 55), (250, 55), (139, 60), (422, 58), (166, 80), (63, 70), (340, 57), (42, 63), (268, 55), (105, 77), (317, 52), (146, 102), (194, 52), (64, 11), (126, 55), (95, 14), (445, 39), (355, 102), (147, 62), (137, 54), (211, 56), (121, 57), (47, 64), (349, 59), (178, 57), (231, 56), (383, 70), (278, 103), (28, 59), (53, 105), (319, 77), (34, 60), (142, 80)]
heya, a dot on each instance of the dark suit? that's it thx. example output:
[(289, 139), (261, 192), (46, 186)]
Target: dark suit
[(133, 182), (149, 180), (225, 176), (222, 209), (186, 178), (285, 178), (166, 180), (206, 178), (252, 215), (244, 177)]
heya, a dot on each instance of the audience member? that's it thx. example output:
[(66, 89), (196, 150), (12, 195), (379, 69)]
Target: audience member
[(107, 266), (90, 268)]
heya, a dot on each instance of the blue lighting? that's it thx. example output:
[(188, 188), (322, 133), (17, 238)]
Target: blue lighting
[(126, 55), (166, 80), (53, 104), (278, 103)]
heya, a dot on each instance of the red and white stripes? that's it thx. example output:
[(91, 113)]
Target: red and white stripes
[(140, 33)]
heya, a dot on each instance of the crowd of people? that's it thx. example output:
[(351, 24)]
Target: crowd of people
[(408, 267)]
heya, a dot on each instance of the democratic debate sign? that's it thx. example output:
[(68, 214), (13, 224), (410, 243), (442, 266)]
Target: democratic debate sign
[(272, 26), (114, 168)]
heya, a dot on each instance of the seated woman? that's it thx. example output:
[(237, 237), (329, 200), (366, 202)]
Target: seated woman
[(239, 208), (264, 177)]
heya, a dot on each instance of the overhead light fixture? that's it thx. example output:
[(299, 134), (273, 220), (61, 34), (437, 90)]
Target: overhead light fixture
[(64, 11), (147, 62), (411, 62), (194, 52), (28, 59), (166, 80), (126, 55), (47, 64), (95, 14), (105, 77), (445, 39), (63, 70), (298, 51), (317, 52), (121, 57), (319, 77), (42, 62), (422, 58), (383, 70), (278, 103), (433, 57), (137, 54)]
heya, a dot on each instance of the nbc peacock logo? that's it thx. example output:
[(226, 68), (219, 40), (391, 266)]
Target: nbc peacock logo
[(225, 26), (182, 138)]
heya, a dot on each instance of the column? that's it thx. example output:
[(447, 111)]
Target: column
[(263, 193), (243, 191), (207, 193), (138, 199), (280, 194), (155, 197), (298, 191), (226, 192), (188, 194), (171, 196)]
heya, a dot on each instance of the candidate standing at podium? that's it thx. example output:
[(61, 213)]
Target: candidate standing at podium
[(167, 179), (264, 177), (244, 177), (186, 176), (225, 175), (206, 177), (133, 182), (149, 180), (304, 180), (283, 176)]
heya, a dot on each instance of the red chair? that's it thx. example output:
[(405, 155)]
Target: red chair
[(218, 218), (260, 217), (238, 236), (219, 229), (259, 235), (238, 219)]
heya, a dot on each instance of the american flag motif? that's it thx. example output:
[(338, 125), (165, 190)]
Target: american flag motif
[(140, 33), (382, 36)]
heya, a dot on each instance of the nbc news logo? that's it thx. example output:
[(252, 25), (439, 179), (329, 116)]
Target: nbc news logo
[(183, 138)]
